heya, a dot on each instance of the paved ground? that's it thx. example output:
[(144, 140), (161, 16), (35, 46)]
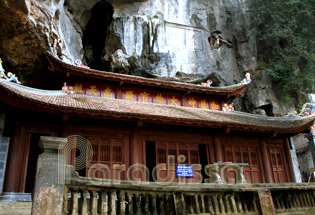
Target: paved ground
[(16, 212), (15, 208)]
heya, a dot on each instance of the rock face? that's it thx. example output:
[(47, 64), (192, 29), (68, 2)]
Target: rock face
[(161, 38)]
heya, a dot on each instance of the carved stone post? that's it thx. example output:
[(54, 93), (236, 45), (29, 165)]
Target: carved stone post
[(266, 203), (122, 199), (84, 202), (130, 203), (75, 202), (179, 202), (49, 184), (104, 203), (197, 204), (112, 203), (154, 205)]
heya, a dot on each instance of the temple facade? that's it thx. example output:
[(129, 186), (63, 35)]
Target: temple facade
[(140, 129)]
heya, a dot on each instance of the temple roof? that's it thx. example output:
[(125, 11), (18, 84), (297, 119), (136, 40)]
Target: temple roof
[(59, 102), (236, 90)]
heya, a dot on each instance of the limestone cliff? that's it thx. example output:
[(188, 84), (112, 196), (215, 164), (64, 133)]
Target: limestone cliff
[(160, 39)]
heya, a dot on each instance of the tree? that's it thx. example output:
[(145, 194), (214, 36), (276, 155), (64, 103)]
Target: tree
[(285, 32)]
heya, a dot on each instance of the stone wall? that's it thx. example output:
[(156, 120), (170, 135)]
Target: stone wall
[(304, 155), (4, 148)]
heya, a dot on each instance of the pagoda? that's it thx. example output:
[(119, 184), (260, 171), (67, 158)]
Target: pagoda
[(135, 120), (146, 130)]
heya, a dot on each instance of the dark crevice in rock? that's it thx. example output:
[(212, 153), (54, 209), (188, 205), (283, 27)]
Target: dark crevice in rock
[(268, 109), (95, 34)]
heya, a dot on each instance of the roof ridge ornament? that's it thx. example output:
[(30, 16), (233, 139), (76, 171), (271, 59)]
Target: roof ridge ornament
[(67, 89), (247, 78), (79, 63), (9, 77)]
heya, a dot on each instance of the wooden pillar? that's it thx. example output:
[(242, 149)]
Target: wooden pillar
[(218, 149), (10, 180), (134, 149), (4, 148), (212, 152), (267, 164), (63, 127), (184, 101), (119, 91), (287, 153)]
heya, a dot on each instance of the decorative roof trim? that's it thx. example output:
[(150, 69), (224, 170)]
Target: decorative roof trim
[(236, 90), (60, 102)]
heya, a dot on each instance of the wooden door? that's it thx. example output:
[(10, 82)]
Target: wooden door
[(181, 154), (107, 159), (244, 154), (278, 165)]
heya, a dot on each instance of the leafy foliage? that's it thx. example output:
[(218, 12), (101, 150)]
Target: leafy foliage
[(285, 31)]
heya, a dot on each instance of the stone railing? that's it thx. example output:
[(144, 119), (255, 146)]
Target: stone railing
[(287, 201), (60, 190), (82, 197)]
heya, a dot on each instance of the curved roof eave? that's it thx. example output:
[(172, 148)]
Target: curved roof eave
[(60, 102), (236, 90)]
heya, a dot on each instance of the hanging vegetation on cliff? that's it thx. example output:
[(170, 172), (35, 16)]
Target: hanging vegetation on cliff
[(286, 46)]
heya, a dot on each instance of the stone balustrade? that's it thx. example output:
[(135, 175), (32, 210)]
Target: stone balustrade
[(80, 199), (84, 196), (294, 200), (70, 194)]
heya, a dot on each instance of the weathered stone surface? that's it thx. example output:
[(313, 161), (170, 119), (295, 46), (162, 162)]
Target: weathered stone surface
[(15, 208), (266, 203), (163, 38), (49, 185), (48, 201)]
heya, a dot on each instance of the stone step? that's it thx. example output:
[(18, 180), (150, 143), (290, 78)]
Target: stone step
[(15, 208)]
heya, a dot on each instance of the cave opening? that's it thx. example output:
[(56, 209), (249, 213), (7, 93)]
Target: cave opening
[(95, 35), (268, 109)]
